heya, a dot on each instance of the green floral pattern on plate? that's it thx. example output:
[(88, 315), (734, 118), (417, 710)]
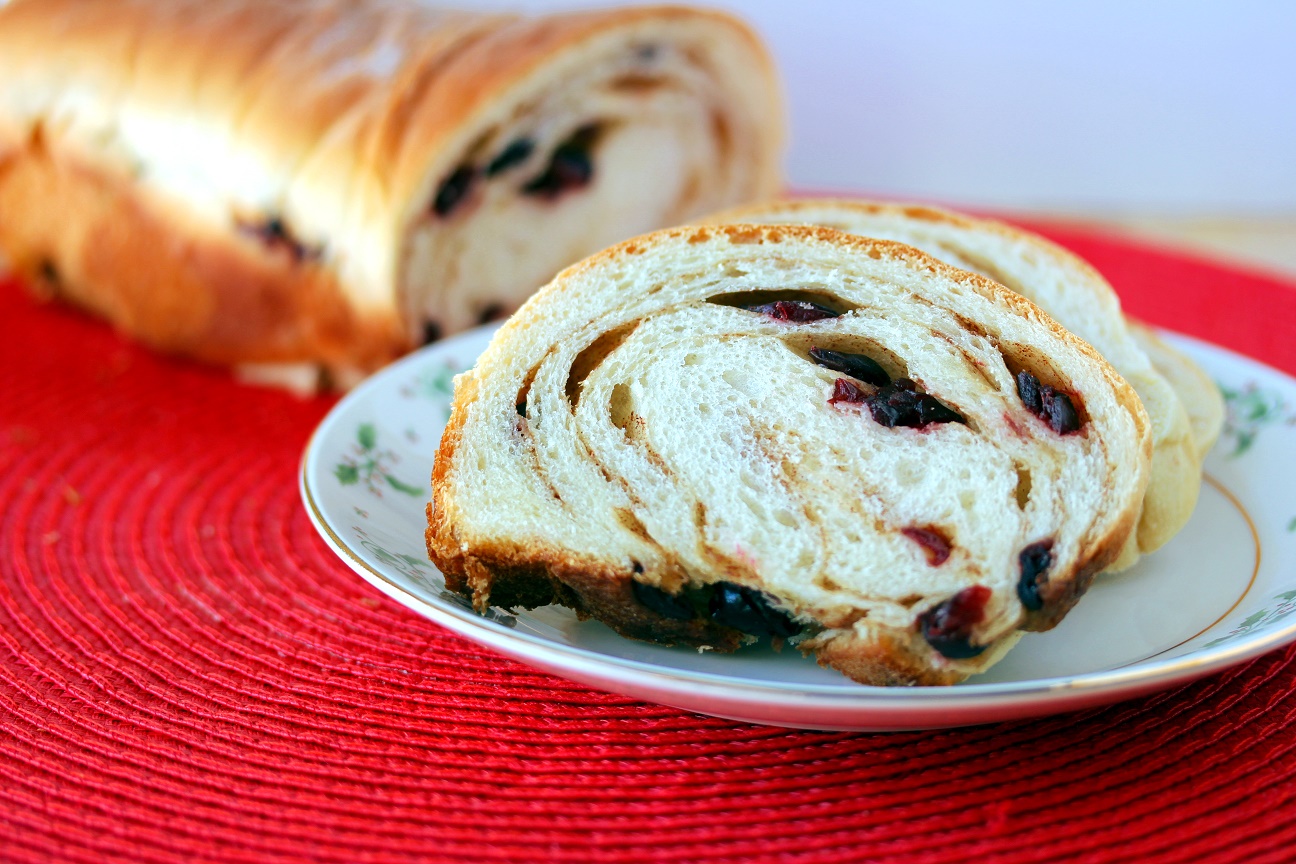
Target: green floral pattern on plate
[(1263, 618), (1250, 409), (369, 465)]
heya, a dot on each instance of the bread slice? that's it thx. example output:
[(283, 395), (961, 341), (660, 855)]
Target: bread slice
[(329, 183), (1076, 296), (1197, 391), (658, 439)]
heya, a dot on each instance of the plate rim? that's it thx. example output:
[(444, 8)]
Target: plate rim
[(1138, 677)]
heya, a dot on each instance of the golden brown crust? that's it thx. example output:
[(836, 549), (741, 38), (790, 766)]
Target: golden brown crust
[(221, 299), (882, 659)]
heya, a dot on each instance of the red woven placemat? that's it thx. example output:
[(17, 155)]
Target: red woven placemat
[(188, 674)]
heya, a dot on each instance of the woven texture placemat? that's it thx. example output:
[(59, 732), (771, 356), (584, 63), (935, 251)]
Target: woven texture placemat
[(188, 674)]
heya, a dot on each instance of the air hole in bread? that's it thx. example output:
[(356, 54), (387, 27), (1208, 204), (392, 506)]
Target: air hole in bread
[(756, 507), (594, 354), (748, 299), (524, 392), (826, 583), (636, 83), (1023, 490), (738, 380), (629, 521), (620, 407)]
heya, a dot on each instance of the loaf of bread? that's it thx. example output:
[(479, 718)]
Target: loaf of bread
[(1079, 298), (709, 435), (324, 184)]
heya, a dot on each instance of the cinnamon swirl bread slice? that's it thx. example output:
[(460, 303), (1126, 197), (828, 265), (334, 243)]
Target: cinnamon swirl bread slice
[(713, 434), (328, 183), (1079, 298)]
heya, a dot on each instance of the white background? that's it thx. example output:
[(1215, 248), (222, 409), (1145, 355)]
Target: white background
[(1100, 106)]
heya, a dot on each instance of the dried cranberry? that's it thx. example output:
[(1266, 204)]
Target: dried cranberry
[(900, 404), (857, 366), (514, 154), (934, 543), (1052, 406), (453, 190), (750, 611), (845, 391), (793, 311), (948, 626), (570, 166), (668, 605), (1034, 560)]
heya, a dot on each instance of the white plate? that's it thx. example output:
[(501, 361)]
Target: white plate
[(1221, 592)]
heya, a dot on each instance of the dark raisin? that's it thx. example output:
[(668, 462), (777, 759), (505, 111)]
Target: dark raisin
[(570, 166), (1028, 388), (793, 311), (492, 312), (948, 626), (932, 410), (1035, 561), (517, 152), (934, 543), (857, 366), (276, 235), (845, 391), (900, 404), (47, 271), (1060, 413), (668, 605), (750, 611), (1052, 406), (431, 332), (454, 189)]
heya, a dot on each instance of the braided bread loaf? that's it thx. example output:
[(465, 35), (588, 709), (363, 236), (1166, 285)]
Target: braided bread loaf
[(1079, 298), (712, 434), (329, 183)]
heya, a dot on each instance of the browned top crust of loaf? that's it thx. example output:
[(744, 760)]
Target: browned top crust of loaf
[(500, 572), (284, 79)]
